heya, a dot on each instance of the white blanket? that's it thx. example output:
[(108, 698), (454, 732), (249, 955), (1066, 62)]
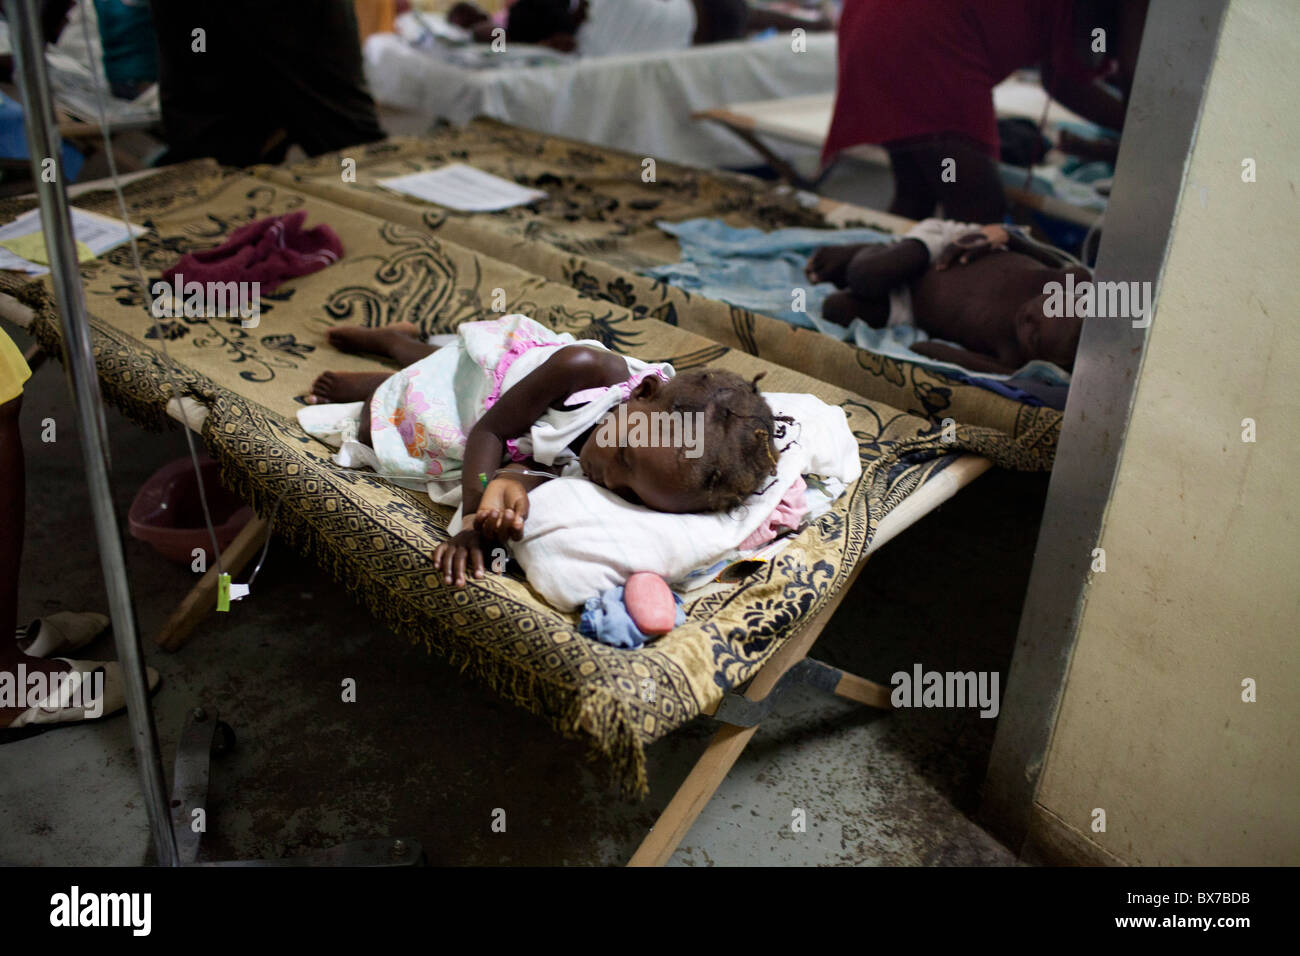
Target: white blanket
[(581, 539), (639, 102), (636, 26)]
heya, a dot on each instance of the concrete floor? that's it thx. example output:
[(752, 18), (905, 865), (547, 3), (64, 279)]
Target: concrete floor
[(426, 754)]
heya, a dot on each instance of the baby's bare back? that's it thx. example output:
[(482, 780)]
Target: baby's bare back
[(975, 304)]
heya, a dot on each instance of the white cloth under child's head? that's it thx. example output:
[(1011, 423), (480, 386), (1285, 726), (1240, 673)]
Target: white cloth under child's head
[(581, 539)]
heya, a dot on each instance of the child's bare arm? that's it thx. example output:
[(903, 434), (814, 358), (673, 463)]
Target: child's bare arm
[(974, 361), (571, 369)]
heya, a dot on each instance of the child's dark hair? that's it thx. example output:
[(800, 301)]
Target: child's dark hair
[(738, 448), (532, 21)]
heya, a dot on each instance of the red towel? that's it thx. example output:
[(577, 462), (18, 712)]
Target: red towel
[(270, 251)]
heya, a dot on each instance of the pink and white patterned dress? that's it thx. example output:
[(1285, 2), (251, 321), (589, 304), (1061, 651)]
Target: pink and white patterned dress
[(421, 416)]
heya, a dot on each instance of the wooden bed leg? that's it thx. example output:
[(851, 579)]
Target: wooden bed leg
[(728, 743), (202, 598), (712, 768), (853, 687), (692, 796)]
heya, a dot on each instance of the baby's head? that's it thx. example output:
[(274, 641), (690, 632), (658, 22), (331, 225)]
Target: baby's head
[(702, 441), (1051, 338)]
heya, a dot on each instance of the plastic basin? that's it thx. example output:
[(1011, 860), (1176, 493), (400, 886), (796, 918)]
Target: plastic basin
[(167, 513)]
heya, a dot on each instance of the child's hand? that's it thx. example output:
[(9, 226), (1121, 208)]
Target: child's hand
[(971, 246), (502, 510), (451, 558)]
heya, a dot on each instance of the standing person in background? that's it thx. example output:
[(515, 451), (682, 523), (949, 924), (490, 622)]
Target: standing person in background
[(130, 48), (243, 80), (918, 78), (69, 690)]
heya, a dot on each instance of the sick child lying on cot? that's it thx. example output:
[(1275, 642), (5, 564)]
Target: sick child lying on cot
[(980, 287), (549, 406)]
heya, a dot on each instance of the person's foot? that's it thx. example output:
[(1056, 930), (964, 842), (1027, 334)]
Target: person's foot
[(61, 633), (829, 264), (843, 307), (355, 338), (31, 665), (333, 387)]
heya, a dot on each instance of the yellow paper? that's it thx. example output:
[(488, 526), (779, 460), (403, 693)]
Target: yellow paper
[(32, 248)]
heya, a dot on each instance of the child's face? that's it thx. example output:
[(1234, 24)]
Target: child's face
[(654, 476), (1054, 339)]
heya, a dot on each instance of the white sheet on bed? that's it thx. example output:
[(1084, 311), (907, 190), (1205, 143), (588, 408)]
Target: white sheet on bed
[(580, 539), (638, 102)]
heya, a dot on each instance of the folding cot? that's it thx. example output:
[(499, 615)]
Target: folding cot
[(596, 229), (378, 538)]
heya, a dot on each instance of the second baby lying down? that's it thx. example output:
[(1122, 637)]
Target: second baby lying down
[(511, 390), (983, 288)]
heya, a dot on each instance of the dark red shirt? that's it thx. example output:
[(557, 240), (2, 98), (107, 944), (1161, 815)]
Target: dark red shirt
[(913, 69)]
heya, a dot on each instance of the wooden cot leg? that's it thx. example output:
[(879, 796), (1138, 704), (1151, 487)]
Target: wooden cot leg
[(692, 796), (202, 599), (853, 687), (729, 742)]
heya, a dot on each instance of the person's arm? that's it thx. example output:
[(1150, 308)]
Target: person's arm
[(972, 361), (1093, 100), (571, 369), (1105, 150)]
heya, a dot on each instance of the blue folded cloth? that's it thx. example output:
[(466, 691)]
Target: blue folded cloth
[(605, 619), (760, 270), (755, 269)]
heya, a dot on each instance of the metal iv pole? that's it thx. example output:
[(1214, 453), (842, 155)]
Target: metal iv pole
[(44, 145)]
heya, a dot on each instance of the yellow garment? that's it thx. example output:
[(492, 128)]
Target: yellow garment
[(13, 369)]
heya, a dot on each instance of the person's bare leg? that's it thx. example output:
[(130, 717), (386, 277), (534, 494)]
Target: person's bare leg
[(828, 263), (13, 499), (333, 387), (975, 194), (843, 307), (913, 196), (399, 341), (875, 271), (407, 351)]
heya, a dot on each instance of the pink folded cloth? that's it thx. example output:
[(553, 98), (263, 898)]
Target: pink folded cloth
[(788, 513), (269, 251)]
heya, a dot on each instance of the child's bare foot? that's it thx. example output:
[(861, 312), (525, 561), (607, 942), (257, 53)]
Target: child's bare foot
[(829, 264), (379, 341), (332, 387)]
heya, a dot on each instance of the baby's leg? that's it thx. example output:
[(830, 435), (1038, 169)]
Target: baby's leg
[(877, 270), (843, 307), (399, 341), (333, 387), (828, 263)]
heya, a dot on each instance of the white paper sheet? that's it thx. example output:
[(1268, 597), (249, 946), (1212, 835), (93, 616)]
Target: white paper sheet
[(99, 233), (464, 188)]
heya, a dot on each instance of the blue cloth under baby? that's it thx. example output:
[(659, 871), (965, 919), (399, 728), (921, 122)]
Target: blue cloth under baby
[(761, 271), (605, 619)]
